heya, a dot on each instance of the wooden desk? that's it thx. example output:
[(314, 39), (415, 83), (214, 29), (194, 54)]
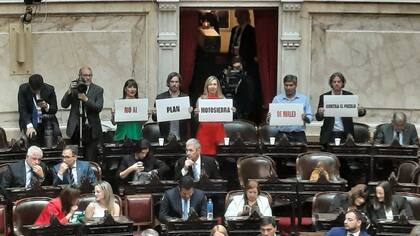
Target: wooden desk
[(13, 156), (179, 227), (243, 226), (15, 194), (395, 228)]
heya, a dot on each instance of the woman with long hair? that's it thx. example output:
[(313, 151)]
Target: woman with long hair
[(104, 201), (249, 202), (128, 130), (356, 198), (219, 230), (386, 205), (62, 207), (210, 134)]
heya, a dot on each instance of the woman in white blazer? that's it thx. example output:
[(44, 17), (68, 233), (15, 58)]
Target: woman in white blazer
[(250, 201)]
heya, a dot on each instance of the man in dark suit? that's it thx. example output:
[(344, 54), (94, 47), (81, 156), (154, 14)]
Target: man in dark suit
[(72, 171), (24, 173), (405, 133), (92, 101), (335, 127), (353, 225), (37, 107), (179, 128), (268, 226), (180, 201), (195, 165), (141, 161), (243, 43)]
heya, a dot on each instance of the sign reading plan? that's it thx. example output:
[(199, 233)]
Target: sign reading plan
[(215, 110), (131, 110), (286, 113), (341, 105), (171, 109)]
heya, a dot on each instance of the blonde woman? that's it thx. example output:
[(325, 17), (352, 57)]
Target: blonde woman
[(104, 201), (218, 230), (210, 133)]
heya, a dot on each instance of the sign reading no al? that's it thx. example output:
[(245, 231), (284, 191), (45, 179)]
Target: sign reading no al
[(131, 110)]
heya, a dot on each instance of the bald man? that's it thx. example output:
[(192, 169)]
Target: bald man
[(405, 133), (92, 101)]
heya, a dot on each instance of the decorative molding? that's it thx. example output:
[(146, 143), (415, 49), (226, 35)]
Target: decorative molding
[(168, 7), (292, 6), (290, 40), (167, 44)]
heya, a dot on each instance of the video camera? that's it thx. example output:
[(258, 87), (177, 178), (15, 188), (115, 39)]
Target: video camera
[(79, 85), (230, 81)]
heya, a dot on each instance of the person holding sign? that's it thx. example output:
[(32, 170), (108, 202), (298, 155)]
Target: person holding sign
[(179, 128), (128, 130), (335, 127), (210, 134), (294, 133)]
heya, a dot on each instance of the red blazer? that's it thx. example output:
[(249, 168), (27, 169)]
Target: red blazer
[(52, 208)]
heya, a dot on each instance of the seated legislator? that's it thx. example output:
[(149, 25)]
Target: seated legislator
[(385, 205), (268, 226), (195, 165), (405, 133), (353, 225), (104, 201), (179, 128), (356, 198), (136, 166), (24, 173), (249, 202), (335, 127), (72, 171), (294, 133), (63, 207), (180, 201)]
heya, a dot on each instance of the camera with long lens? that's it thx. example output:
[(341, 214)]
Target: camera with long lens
[(230, 82), (79, 85)]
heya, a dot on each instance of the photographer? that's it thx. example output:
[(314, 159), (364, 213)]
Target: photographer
[(37, 107), (90, 96), (239, 86)]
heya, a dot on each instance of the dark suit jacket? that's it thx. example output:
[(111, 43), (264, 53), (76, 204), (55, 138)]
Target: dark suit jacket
[(209, 167), (83, 171), (341, 231), (248, 45), (164, 127), (150, 163), (328, 125), (15, 176), (399, 205), (93, 107), (171, 205), (385, 134), (26, 104)]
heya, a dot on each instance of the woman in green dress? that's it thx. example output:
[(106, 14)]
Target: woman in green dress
[(133, 129)]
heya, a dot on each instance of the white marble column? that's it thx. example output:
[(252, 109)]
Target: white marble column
[(290, 40), (168, 40)]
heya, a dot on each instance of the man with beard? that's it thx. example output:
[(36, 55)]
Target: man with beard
[(353, 225)]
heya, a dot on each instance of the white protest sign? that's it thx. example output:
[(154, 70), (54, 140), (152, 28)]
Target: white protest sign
[(341, 105), (131, 110), (170, 109), (215, 110), (286, 113)]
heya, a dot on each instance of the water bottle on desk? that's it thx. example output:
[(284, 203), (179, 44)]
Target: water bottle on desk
[(209, 210)]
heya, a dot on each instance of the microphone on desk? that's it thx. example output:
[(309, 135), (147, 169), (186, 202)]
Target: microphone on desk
[(192, 214)]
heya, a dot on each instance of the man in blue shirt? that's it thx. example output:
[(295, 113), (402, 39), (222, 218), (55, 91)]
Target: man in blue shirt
[(294, 133)]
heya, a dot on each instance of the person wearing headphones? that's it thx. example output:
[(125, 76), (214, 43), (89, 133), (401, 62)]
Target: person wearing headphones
[(335, 127), (179, 128), (250, 201)]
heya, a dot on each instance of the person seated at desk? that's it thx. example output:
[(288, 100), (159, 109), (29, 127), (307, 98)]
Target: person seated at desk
[(356, 198), (268, 226), (180, 201), (136, 166), (195, 165), (62, 207), (385, 205), (405, 133), (249, 202), (24, 173), (219, 230), (353, 225), (104, 201), (72, 171)]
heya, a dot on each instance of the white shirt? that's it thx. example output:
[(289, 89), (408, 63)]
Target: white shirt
[(196, 168), (187, 208), (354, 234), (388, 214), (400, 139), (74, 173)]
